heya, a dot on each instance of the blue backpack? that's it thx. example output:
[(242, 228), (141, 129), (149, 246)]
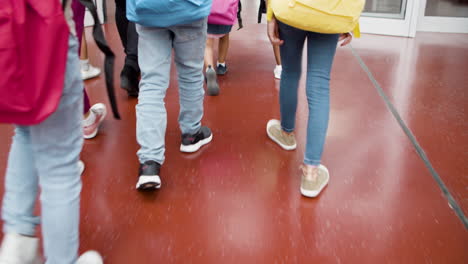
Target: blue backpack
[(166, 13)]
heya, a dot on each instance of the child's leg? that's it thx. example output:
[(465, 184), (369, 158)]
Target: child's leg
[(83, 48), (321, 50), (223, 47), (87, 70), (278, 68), (212, 83), (155, 48), (21, 186), (87, 104), (276, 51), (209, 52), (188, 59), (56, 145)]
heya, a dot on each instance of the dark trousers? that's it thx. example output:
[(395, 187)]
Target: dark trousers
[(128, 35)]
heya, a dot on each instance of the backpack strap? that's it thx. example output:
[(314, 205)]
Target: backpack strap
[(101, 42), (261, 11), (239, 17)]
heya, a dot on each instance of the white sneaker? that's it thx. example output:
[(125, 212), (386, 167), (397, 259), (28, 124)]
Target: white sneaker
[(277, 71), (81, 166), (91, 124), (314, 180), (19, 249), (286, 140), (90, 257), (88, 71)]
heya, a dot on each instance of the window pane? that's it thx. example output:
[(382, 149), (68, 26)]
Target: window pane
[(383, 6), (447, 8)]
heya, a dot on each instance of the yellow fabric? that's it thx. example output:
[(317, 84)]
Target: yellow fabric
[(269, 14), (357, 31), (322, 16)]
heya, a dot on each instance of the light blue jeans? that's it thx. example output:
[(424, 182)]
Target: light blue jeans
[(46, 156), (320, 53), (154, 57)]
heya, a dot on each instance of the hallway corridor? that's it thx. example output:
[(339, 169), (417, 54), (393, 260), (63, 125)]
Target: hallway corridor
[(238, 201)]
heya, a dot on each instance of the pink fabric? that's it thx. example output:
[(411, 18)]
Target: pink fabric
[(33, 55), (78, 17), (223, 12), (87, 104)]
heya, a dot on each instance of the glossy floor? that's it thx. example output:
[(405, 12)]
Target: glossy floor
[(238, 200)]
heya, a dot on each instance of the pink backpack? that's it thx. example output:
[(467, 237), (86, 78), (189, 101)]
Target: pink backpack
[(223, 12), (33, 54)]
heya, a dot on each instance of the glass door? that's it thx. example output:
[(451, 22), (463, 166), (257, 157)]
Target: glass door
[(444, 16), (390, 17)]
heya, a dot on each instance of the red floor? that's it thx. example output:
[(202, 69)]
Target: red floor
[(238, 200)]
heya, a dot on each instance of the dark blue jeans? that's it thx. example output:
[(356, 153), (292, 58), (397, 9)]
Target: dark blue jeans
[(320, 53)]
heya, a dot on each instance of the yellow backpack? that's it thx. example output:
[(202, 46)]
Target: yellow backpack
[(322, 16)]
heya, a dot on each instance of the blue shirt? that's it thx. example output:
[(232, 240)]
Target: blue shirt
[(166, 13)]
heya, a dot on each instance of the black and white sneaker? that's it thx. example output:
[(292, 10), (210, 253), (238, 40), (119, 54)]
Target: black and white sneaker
[(148, 176), (192, 143), (221, 69)]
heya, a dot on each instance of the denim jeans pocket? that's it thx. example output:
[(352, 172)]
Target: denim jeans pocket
[(190, 31)]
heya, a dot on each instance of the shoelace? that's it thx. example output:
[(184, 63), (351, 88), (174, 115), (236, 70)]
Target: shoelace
[(311, 174)]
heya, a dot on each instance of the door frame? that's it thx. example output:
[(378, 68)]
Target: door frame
[(440, 24), (394, 26)]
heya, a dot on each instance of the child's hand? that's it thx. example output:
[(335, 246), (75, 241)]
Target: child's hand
[(346, 38), (273, 32)]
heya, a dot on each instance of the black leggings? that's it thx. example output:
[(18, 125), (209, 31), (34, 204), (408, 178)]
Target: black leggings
[(128, 35)]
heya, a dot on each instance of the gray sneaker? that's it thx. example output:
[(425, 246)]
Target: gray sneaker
[(314, 180), (286, 140), (211, 82)]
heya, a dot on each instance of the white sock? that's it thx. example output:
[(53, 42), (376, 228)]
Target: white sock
[(84, 64), (221, 64), (90, 119)]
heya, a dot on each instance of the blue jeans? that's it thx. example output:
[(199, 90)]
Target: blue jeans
[(320, 53), (154, 57), (46, 156)]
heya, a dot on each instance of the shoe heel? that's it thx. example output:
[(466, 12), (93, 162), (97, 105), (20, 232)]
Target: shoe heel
[(212, 84)]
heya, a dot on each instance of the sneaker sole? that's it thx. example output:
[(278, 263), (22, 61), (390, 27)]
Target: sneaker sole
[(197, 146), (212, 85), (313, 194), (271, 123), (148, 182), (90, 136)]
